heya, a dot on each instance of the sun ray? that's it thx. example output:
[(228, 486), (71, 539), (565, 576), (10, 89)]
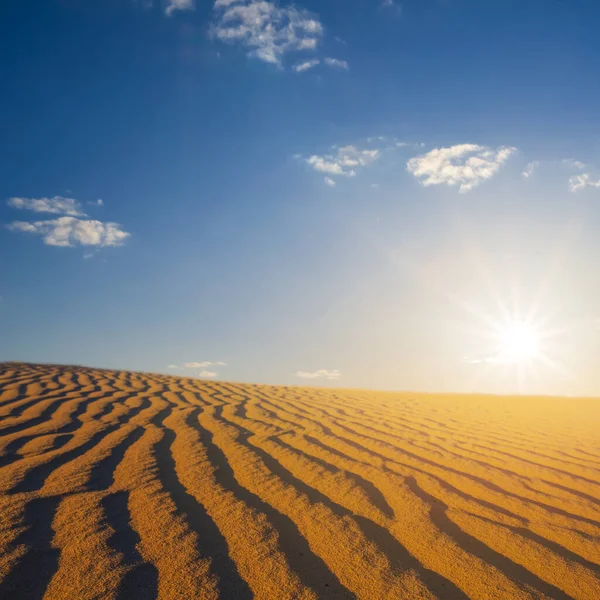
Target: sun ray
[(573, 231)]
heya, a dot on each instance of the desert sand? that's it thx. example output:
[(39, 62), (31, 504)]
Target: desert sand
[(137, 486)]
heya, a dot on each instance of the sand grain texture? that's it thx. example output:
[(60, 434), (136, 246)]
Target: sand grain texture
[(125, 486)]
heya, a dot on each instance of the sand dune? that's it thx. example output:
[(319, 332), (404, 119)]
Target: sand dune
[(133, 486)]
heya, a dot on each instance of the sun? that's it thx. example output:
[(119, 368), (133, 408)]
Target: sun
[(518, 342)]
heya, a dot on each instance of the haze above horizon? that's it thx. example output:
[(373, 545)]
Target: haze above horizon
[(369, 194)]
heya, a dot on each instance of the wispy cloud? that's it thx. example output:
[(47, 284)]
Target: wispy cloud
[(71, 231), (208, 374), (465, 165), (175, 5), (580, 182), (349, 160), (344, 161), (328, 164), (207, 367), (267, 30), (306, 65), (55, 205), (530, 168), (574, 164), (392, 5), (203, 364), (320, 374), (336, 63)]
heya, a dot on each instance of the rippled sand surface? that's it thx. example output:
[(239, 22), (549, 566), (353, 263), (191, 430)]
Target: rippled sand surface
[(135, 486)]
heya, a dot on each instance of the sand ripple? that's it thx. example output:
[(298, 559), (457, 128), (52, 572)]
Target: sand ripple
[(125, 485)]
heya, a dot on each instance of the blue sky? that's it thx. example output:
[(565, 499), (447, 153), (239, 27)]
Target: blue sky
[(351, 193)]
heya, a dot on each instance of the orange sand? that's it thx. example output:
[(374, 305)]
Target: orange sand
[(134, 486)]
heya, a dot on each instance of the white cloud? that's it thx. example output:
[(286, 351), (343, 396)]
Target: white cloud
[(320, 374), (173, 5), (98, 202), (465, 165), (345, 161), (530, 168), (580, 182), (225, 3), (336, 63), (267, 30), (207, 367), (322, 164), (71, 231), (305, 66), (574, 164), (208, 374), (55, 205), (351, 156)]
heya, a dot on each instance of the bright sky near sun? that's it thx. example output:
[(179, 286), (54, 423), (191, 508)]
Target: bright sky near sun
[(359, 193)]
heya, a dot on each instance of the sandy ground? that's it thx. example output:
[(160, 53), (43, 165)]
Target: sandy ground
[(132, 486)]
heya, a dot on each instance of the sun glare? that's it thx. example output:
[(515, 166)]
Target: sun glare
[(519, 342)]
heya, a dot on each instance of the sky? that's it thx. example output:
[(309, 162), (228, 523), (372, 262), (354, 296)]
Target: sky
[(351, 193)]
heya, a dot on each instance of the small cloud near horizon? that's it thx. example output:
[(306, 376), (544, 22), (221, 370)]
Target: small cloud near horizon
[(203, 364), (208, 374), (320, 374), (207, 367)]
